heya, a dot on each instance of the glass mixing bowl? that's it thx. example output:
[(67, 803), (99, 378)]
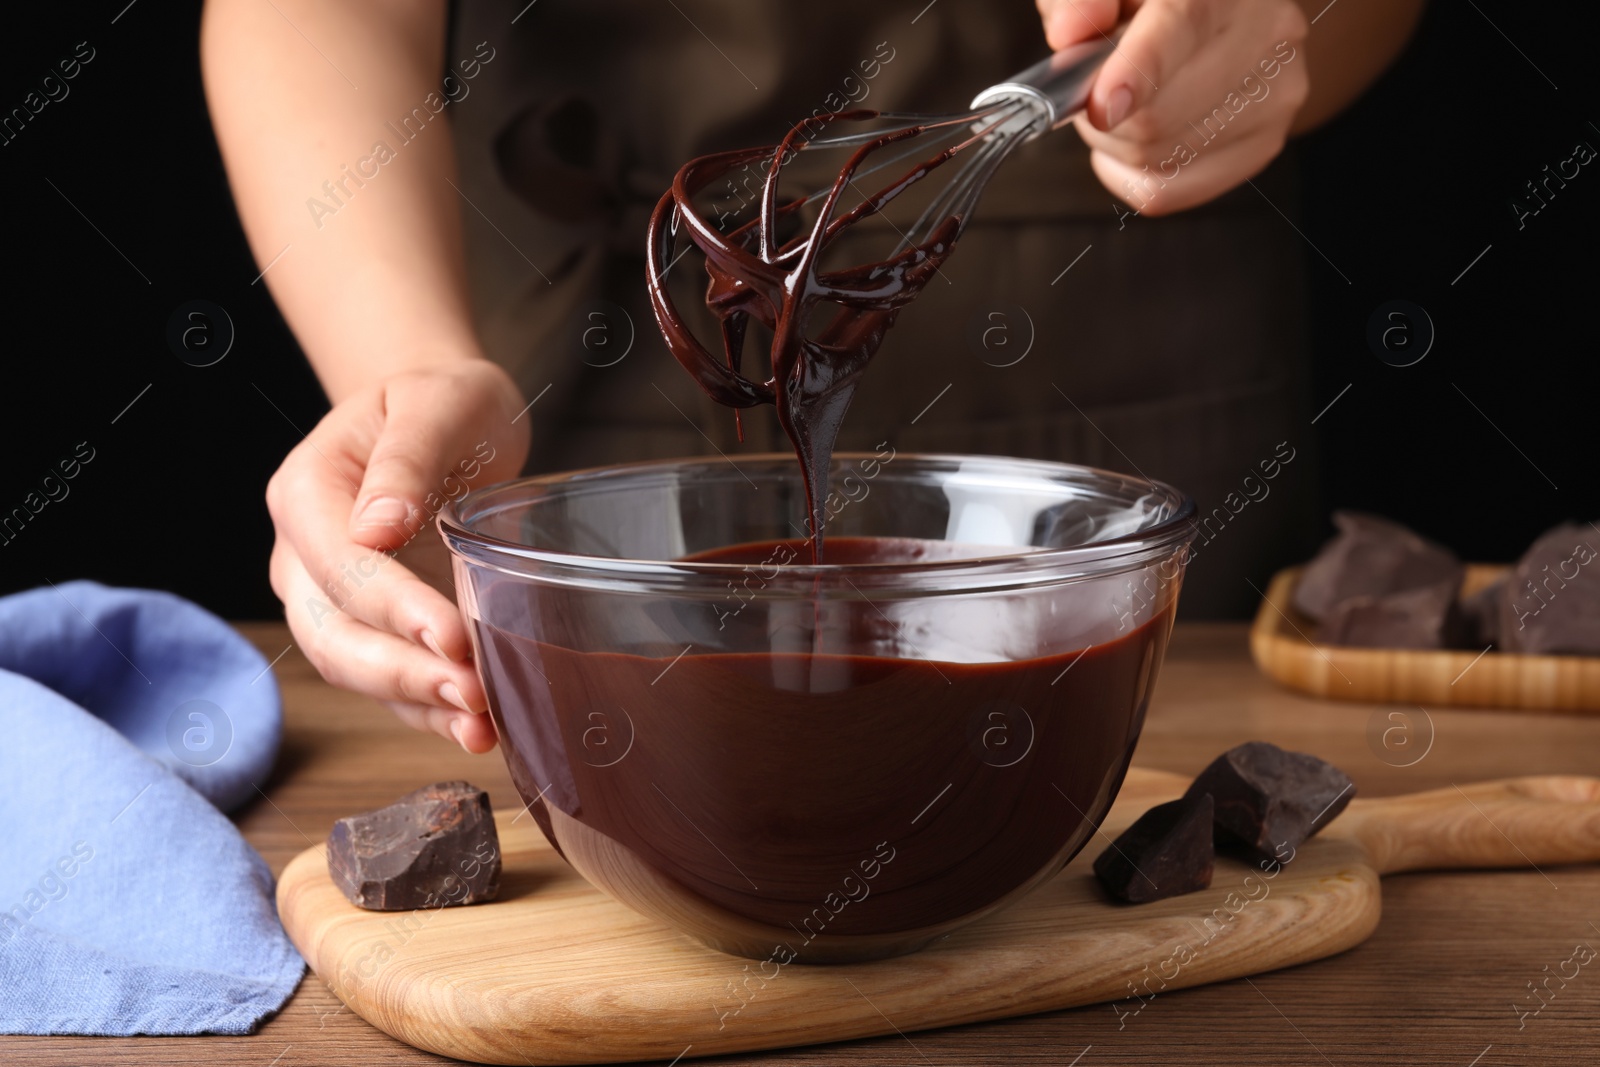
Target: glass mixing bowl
[(817, 763)]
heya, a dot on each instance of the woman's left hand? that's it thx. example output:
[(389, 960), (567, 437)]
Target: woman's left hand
[(1198, 96)]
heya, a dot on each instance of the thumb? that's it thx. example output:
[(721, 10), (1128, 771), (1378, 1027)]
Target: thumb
[(1069, 22), (428, 453), (402, 475)]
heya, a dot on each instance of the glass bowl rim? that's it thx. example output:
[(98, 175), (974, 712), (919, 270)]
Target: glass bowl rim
[(1112, 553)]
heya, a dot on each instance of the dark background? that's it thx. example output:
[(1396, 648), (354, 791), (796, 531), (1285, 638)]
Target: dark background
[(1399, 195)]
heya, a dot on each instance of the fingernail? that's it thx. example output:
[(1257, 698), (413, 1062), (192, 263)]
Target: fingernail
[(455, 731), (1118, 105), (451, 695), (433, 644), (384, 511)]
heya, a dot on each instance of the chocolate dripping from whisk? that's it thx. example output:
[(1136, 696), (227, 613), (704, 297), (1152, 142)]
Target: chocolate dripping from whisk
[(812, 379)]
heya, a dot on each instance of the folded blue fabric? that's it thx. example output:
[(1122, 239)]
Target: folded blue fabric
[(129, 904)]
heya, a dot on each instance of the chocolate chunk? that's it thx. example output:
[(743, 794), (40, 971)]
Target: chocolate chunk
[(432, 848), (1428, 617), (1371, 557), (1480, 616), (1268, 799), (1551, 601), (1167, 852)]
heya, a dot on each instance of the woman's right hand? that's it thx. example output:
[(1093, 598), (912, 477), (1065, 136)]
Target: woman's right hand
[(366, 482)]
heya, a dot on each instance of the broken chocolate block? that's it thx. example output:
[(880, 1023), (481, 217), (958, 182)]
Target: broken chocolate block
[(1268, 799), (431, 848), (1480, 616), (1166, 852), (1371, 557), (1551, 601), (1417, 618)]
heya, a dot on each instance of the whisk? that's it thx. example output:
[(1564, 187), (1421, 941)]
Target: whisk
[(755, 274)]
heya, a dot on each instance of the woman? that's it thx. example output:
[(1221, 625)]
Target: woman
[(450, 205)]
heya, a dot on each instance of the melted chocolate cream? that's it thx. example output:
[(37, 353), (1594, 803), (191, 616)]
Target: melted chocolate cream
[(843, 806), (779, 284)]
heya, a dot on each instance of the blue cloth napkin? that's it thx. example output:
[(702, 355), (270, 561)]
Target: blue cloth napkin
[(129, 904)]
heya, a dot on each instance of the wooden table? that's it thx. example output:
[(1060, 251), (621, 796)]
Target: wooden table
[(1435, 985)]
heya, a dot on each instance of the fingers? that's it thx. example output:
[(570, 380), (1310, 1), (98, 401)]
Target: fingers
[(1199, 96), (401, 451), (1211, 105), (310, 503), (1161, 37), (424, 690), (1167, 159), (415, 457), (1204, 178), (366, 484), (1069, 22), (351, 654), (475, 733)]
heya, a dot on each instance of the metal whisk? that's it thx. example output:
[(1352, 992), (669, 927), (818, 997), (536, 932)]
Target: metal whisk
[(1007, 114), (757, 272)]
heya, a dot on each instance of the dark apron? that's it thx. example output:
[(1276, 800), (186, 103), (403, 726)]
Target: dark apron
[(1173, 347)]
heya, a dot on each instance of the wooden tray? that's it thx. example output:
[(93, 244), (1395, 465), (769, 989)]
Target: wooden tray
[(554, 972), (1283, 649)]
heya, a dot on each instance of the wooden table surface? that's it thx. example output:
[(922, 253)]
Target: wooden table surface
[(1438, 983)]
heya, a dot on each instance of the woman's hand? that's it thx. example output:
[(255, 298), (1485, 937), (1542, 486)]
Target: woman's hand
[(367, 482), (377, 297), (1199, 95)]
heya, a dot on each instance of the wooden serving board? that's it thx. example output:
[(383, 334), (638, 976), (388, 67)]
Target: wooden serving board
[(1282, 647), (554, 972)]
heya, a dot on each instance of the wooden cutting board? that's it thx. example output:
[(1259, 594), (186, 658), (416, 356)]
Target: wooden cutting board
[(1281, 644), (554, 972)]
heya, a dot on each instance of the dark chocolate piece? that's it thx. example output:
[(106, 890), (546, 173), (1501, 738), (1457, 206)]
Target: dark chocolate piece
[(1268, 799), (1551, 601), (1165, 853), (1428, 617), (432, 848), (1480, 616), (1371, 557)]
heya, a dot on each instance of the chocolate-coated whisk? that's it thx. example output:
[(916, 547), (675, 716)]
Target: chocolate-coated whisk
[(1003, 116), (755, 273)]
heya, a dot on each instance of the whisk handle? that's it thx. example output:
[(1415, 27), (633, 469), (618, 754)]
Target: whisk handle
[(1058, 85)]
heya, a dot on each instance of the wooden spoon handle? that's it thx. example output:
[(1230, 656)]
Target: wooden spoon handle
[(1513, 822)]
